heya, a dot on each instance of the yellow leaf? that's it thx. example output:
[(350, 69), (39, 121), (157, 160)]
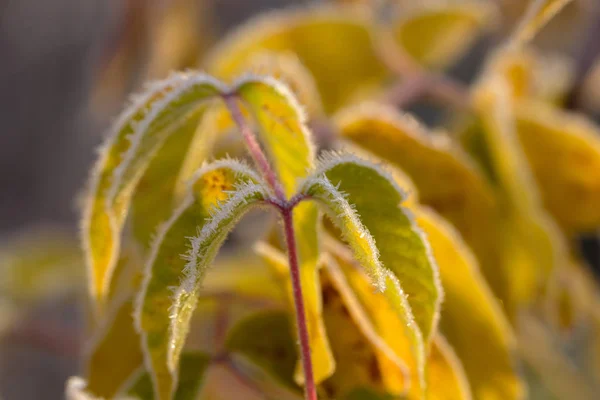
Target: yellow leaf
[(334, 43), (115, 353), (321, 356), (437, 35), (364, 203), (563, 150), (447, 380), (171, 282), (538, 14), (472, 320)]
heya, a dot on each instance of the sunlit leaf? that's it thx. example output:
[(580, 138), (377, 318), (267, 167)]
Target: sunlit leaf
[(114, 353), (136, 136), (471, 318), (447, 379), (538, 14), (321, 356), (437, 35), (218, 196), (390, 315), (332, 42), (364, 203), (192, 370), (533, 245), (266, 339), (446, 178), (563, 150)]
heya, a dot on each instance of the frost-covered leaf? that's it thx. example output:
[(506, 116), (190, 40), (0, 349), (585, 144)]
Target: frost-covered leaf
[(321, 355), (114, 353), (364, 203), (219, 194), (538, 14), (192, 371), (281, 127), (334, 43), (265, 338), (563, 151), (446, 178), (472, 320), (134, 139), (390, 315), (533, 245), (438, 34), (447, 379)]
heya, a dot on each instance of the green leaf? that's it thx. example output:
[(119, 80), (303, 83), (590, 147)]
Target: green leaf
[(219, 194), (114, 353), (445, 177), (472, 319), (135, 138), (265, 339), (438, 34), (321, 355), (334, 43), (192, 370), (364, 203)]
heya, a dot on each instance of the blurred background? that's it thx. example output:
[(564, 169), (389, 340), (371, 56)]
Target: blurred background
[(67, 67)]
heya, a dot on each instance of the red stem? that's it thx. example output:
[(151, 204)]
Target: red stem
[(252, 145), (310, 391)]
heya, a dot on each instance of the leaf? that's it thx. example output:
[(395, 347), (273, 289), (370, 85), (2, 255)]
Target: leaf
[(321, 356), (134, 139), (114, 353), (334, 43), (538, 14), (447, 378), (563, 150), (158, 184), (390, 316), (364, 204), (438, 34), (265, 338), (446, 178), (533, 247), (281, 126), (285, 66), (472, 320), (192, 371), (356, 360), (218, 196)]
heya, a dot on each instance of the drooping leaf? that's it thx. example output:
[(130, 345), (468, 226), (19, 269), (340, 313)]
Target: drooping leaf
[(538, 14), (364, 203), (114, 353), (218, 196), (447, 379), (136, 136), (533, 246), (563, 151), (321, 356), (192, 371), (334, 43), (392, 319), (356, 360), (437, 35), (265, 338), (472, 320), (446, 178)]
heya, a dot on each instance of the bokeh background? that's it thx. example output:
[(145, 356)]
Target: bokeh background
[(67, 66)]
